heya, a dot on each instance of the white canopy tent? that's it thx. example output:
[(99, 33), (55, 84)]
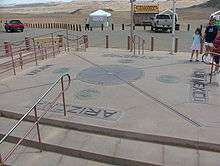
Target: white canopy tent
[(99, 17)]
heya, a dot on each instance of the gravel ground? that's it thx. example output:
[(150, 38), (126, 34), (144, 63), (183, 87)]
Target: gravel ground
[(117, 38)]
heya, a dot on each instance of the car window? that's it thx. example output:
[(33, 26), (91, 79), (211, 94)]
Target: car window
[(163, 17), (14, 22)]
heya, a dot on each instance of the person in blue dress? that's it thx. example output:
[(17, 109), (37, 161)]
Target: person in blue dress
[(196, 46)]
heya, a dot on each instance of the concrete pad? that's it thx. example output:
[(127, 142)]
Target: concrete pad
[(30, 156), (159, 102), (145, 152)]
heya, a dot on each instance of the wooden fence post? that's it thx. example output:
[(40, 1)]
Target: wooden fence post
[(123, 26), (129, 42), (176, 45), (152, 43), (106, 41), (188, 27)]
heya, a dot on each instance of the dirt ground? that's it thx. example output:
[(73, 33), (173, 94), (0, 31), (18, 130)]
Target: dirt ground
[(118, 17)]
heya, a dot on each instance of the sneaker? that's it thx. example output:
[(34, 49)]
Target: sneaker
[(197, 60), (190, 60)]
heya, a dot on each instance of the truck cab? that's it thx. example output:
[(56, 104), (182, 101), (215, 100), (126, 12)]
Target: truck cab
[(164, 22)]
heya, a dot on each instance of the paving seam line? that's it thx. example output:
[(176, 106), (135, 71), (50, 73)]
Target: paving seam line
[(78, 153), (158, 101)]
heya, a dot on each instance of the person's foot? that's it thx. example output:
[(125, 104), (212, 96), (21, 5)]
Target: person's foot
[(213, 73), (197, 60), (190, 60)]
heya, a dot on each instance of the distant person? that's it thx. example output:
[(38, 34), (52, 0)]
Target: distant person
[(216, 49), (196, 46), (210, 34)]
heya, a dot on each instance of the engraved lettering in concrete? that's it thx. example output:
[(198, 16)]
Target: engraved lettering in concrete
[(92, 112), (199, 90)]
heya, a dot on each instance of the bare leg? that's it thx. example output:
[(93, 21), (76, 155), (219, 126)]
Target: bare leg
[(193, 51), (197, 55), (207, 49)]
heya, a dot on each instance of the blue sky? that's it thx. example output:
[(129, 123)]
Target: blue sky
[(7, 2)]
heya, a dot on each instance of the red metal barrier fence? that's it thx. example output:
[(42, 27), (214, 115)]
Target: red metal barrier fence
[(32, 50)]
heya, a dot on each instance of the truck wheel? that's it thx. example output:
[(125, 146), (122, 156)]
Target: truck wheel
[(152, 28)]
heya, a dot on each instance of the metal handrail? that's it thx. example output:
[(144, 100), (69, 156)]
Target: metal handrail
[(133, 42), (212, 54), (16, 55), (37, 119), (210, 63)]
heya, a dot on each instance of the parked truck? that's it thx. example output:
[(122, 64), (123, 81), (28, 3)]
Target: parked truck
[(164, 22)]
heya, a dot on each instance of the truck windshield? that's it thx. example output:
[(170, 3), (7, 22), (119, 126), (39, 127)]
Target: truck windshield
[(14, 22), (163, 17)]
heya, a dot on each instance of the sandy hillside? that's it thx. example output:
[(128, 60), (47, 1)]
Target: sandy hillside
[(116, 5)]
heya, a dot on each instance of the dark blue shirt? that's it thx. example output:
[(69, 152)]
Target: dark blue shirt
[(211, 32)]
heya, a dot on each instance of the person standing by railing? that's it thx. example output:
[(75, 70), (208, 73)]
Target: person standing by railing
[(216, 49), (196, 46), (210, 34)]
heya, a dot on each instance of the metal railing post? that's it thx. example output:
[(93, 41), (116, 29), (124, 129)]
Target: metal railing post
[(143, 43), (77, 43), (134, 47), (210, 81), (1, 162), (53, 44), (139, 45), (7, 46), (20, 58), (35, 52), (13, 63), (63, 96), (42, 51), (38, 129), (45, 50), (67, 40)]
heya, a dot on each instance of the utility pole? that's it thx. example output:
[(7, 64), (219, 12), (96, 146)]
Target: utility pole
[(173, 27), (132, 24)]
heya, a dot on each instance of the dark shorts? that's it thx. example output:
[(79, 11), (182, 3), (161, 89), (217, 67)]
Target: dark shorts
[(216, 59)]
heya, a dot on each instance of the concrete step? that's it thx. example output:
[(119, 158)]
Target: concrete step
[(26, 156), (119, 133), (107, 149)]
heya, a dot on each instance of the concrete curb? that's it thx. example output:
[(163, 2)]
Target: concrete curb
[(77, 153), (165, 140)]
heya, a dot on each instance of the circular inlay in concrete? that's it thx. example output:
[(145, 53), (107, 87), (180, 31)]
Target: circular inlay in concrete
[(110, 75), (168, 79), (87, 94), (62, 70)]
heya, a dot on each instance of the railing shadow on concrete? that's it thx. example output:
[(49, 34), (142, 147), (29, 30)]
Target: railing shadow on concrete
[(6, 156)]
